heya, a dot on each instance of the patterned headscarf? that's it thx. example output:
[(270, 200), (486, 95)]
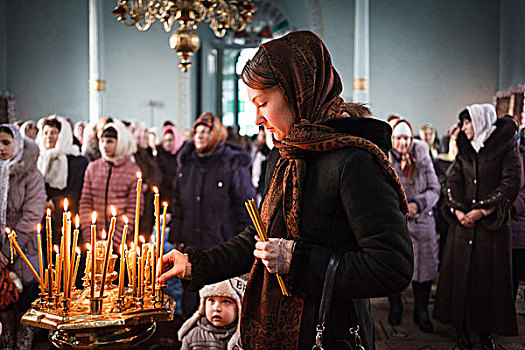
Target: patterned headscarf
[(303, 69), (5, 165), (218, 132)]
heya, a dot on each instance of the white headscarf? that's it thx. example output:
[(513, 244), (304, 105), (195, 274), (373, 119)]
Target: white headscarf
[(24, 127), (5, 166), (483, 118), (126, 144), (52, 163)]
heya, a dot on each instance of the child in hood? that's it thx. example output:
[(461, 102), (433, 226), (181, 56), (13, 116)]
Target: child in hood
[(215, 325)]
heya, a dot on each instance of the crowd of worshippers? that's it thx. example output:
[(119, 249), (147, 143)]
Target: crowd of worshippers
[(206, 174)]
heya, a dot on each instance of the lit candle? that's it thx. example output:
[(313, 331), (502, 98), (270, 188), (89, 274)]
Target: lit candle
[(77, 261), (57, 267), (109, 244), (12, 238), (40, 259), (66, 247), (49, 251), (93, 246), (161, 250), (133, 263), (137, 208), (122, 258)]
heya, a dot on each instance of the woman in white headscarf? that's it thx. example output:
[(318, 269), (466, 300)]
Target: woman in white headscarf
[(62, 165), (475, 285), (22, 200)]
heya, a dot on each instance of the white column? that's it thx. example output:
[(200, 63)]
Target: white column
[(361, 53), (97, 85)]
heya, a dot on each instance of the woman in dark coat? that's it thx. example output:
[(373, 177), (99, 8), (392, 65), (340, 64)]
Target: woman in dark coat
[(330, 190), (417, 175), (212, 183), (167, 161), (475, 285)]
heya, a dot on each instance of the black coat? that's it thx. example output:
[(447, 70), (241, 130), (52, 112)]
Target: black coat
[(209, 195), (475, 285), (76, 167), (167, 165), (348, 207)]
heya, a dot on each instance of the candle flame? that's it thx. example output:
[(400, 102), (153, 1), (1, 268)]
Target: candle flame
[(142, 239), (139, 174), (165, 204), (94, 217), (48, 212), (103, 233), (65, 204), (155, 189), (113, 211), (77, 221), (38, 228), (125, 219), (7, 230), (88, 246), (55, 248), (77, 249)]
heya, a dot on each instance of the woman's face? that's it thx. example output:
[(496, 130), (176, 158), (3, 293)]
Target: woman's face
[(168, 142), (272, 111), (50, 136), (7, 146), (429, 133), (31, 132), (401, 143), (201, 137), (468, 129)]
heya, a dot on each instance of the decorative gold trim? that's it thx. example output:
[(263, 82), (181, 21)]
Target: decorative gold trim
[(97, 85), (361, 84)]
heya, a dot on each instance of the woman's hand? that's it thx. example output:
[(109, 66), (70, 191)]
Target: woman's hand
[(276, 254), (462, 218), (174, 264), (49, 205), (473, 216), (3, 260), (412, 211)]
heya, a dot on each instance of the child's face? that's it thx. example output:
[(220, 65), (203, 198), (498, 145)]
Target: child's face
[(108, 146), (221, 311)]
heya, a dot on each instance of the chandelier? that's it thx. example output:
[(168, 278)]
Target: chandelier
[(220, 14)]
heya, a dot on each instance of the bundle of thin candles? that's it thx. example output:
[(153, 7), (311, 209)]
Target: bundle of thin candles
[(261, 231)]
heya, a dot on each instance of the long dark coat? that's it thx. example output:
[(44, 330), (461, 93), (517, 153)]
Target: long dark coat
[(349, 207), (209, 195), (475, 284)]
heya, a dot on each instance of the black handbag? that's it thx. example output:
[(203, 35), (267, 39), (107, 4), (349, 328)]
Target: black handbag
[(324, 308)]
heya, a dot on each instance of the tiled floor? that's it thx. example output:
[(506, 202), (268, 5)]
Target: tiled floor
[(407, 336)]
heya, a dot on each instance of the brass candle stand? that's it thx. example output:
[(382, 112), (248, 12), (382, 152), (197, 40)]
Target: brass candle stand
[(107, 322)]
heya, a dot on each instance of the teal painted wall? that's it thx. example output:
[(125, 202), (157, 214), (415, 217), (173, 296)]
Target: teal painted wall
[(47, 57), (512, 59), (428, 59)]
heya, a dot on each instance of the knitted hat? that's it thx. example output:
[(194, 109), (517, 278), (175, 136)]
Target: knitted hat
[(232, 288)]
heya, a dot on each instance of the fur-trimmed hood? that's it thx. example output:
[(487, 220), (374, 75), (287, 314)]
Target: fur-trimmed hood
[(28, 161)]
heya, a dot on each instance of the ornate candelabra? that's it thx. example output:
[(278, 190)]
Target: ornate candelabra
[(102, 314), (220, 14)]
